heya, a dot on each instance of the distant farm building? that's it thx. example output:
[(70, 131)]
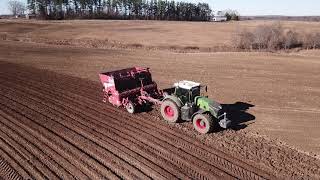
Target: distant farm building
[(219, 17)]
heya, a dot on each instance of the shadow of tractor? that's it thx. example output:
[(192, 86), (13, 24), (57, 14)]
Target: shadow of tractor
[(238, 114)]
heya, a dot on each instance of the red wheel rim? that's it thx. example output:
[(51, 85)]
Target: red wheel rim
[(200, 124), (169, 111)]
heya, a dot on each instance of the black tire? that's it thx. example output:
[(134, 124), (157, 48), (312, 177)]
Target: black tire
[(170, 111), (130, 107), (203, 123)]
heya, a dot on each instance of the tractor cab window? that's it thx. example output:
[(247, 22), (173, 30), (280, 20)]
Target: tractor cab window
[(187, 95), (194, 93), (183, 94)]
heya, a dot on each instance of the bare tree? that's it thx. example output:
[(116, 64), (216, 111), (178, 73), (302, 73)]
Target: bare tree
[(269, 37), (261, 37), (273, 37), (317, 40), (291, 39), (311, 40), (243, 39), (276, 37), (16, 7), (232, 15)]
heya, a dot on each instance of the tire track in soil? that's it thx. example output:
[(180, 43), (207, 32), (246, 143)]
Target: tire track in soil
[(197, 176), (235, 168), (7, 172), (117, 111)]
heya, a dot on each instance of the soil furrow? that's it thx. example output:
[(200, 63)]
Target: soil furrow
[(12, 162), (7, 172), (33, 155), (49, 157), (83, 161), (20, 158), (101, 156), (65, 160)]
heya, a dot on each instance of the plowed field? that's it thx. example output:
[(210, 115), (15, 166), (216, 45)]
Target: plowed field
[(55, 126), (55, 129)]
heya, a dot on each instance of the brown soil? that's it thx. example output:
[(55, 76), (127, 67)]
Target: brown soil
[(284, 88)]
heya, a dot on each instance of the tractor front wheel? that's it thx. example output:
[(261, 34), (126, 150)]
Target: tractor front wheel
[(130, 107), (170, 111), (203, 123)]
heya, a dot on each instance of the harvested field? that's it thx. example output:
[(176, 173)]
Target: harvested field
[(54, 125), (172, 35)]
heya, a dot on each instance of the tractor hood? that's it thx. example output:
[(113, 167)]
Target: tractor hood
[(209, 105), (215, 106)]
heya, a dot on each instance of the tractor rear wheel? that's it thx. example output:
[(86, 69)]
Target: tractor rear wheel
[(130, 107), (203, 123), (170, 111)]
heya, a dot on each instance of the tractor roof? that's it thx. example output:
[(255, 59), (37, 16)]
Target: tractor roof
[(186, 84)]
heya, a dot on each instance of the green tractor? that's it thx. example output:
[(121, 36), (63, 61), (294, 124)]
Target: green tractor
[(186, 102)]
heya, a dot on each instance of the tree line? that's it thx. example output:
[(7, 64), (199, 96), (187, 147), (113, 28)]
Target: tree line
[(120, 9), (273, 37)]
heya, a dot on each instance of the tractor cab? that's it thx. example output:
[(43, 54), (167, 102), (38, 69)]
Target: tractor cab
[(186, 91)]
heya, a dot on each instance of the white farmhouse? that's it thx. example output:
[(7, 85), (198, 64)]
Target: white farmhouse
[(219, 17)]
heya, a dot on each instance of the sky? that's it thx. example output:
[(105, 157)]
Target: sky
[(247, 7)]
